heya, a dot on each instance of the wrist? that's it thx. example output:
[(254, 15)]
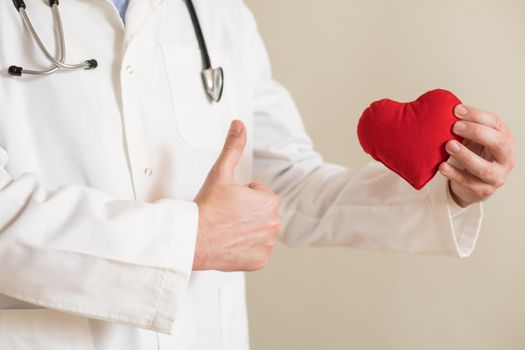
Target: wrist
[(200, 255)]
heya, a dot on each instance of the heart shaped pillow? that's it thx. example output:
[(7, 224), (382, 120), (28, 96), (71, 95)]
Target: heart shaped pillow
[(409, 138)]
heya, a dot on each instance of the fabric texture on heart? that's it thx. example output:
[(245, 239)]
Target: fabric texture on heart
[(409, 138)]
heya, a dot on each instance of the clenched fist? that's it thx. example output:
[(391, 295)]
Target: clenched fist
[(237, 223)]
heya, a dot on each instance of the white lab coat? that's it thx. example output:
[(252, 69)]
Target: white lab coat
[(98, 170)]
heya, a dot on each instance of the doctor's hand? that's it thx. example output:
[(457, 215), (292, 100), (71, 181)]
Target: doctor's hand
[(481, 164), (237, 224)]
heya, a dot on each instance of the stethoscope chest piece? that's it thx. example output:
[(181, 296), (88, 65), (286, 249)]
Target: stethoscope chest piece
[(213, 79)]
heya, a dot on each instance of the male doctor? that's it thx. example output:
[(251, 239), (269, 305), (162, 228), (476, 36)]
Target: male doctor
[(126, 218)]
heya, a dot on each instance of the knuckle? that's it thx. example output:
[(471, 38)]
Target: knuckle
[(463, 181), (502, 142), (275, 227), (270, 232), (498, 123), (486, 191), (499, 182), (465, 155), (229, 145), (486, 172), (232, 143), (475, 131), (269, 246), (512, 162)]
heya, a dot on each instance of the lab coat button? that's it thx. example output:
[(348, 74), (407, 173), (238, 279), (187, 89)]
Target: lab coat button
[(130, 69), (148, 172)]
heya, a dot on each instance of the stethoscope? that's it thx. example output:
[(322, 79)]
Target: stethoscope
[(213, 78)]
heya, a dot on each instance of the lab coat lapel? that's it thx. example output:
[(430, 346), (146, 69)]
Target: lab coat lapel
[(138, 13)]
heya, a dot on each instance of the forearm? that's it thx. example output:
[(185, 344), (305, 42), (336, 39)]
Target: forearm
[(75, 248), (372, 208)]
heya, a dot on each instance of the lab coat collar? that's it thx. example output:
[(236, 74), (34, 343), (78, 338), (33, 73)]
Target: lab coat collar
[(138, 13)]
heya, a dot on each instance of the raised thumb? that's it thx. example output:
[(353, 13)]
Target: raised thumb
[(224, 167)]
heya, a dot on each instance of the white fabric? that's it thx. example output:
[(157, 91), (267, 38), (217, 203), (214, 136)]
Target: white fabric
[(98, 170)]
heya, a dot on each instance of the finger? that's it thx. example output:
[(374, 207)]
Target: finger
[(474, 164), (475, 188), (224, 167), (494, 140), (473, 114)]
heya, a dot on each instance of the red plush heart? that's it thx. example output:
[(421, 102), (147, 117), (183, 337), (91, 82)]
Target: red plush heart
[(409, 138)]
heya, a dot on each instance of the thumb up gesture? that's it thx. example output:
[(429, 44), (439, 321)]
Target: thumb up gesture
[(237, 223)]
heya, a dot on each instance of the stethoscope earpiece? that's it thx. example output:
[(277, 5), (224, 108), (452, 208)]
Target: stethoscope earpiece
[(15, 71), (91, 64), (58, 63)]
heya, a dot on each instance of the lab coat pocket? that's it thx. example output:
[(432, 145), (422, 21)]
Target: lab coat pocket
[(32, 329), (200, 123)]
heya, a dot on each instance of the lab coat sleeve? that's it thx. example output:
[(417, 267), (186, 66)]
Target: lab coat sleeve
[(326, 204), (78, 250)]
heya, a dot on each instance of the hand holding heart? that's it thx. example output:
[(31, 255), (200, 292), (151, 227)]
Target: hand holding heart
[(415, 139), (237, 224), (484, 159)]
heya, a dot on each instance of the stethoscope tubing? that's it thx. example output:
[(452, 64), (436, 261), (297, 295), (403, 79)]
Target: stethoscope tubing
[(198, 32), (61, 52)]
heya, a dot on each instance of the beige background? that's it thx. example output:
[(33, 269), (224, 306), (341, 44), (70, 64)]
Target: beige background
[(336, 56)]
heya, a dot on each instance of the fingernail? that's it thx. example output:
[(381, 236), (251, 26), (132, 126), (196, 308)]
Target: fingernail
[(443, 168), (460, 127), (453, 146), (235, 128), (460, 111)]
